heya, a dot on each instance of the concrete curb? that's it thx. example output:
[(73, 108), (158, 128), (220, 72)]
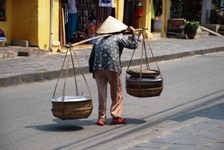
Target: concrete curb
[(50, 75)]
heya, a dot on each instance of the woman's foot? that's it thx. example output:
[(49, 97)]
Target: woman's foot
[(100, 123), (118, 120)]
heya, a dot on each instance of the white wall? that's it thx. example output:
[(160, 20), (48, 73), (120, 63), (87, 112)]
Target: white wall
[(206, 5)]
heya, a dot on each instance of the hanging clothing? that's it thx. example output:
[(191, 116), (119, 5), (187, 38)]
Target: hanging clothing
[(152, 10), (129, 12), (103, 13), (72, 19), (66, 13), (72, 6)]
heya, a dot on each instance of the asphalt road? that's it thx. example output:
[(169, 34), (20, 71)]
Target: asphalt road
[(193, 92)]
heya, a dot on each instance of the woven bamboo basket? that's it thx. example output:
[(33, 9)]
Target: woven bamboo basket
[(149, 92), (73, 107), (145, 73), (144, 87), (144, 83)]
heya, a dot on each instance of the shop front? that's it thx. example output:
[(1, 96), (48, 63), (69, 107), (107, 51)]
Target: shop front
[(45, 23), (91, 13)]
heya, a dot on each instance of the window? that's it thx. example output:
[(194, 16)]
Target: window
[(2, 10)]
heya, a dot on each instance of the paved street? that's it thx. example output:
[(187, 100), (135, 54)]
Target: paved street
[(189, 114)]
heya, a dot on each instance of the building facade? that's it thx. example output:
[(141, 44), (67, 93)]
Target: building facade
[(42, 22), (32, 21)]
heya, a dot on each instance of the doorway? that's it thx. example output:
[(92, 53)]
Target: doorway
[(129, 12)]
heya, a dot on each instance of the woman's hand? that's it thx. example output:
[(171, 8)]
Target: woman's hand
[(131, 29)]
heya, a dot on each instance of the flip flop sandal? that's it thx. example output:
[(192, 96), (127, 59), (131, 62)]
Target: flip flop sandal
[(118, 121), (100, 123)]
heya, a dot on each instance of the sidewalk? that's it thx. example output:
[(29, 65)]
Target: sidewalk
[(191, 132), (42, 67)]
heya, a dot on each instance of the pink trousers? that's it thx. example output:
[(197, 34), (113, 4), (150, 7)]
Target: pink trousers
[(102, 79)]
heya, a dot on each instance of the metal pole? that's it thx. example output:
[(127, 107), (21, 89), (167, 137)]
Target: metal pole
[(51, 24)]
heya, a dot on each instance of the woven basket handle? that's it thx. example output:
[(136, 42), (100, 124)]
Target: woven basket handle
[(73, 67), (142, 32)]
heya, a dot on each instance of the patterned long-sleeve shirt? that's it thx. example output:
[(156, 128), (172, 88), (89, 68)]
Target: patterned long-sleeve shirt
[(106, 52)]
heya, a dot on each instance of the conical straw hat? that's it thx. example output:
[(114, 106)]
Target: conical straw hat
[(111, 25)]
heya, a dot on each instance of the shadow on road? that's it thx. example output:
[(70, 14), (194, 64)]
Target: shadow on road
[(56, 128), (76, 124)]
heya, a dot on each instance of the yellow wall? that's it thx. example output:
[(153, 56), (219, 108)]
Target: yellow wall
[(24, 20), (145, 20), (44, 23), (30, 20), (119, 7), (165, 16)]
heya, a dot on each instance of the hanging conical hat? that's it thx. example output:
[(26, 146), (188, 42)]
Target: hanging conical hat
[(111, 25)]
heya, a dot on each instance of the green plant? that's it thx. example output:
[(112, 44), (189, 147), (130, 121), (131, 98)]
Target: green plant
[(176, 9), (215, 8), (191, 26)]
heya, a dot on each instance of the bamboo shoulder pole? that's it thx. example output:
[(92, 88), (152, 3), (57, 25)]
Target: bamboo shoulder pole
[(94, 38), (87, 40)]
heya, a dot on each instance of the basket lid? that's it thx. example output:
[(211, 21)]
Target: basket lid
[(149, 71), (144, 72), (71, 99), (133, 79)]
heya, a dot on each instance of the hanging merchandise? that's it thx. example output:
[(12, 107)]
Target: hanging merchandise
[(79, 36), (103, 13), (62, 31), (144, 82), (105, 3), (87, 13), (130, 13), (91, 29), (71, 107)]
